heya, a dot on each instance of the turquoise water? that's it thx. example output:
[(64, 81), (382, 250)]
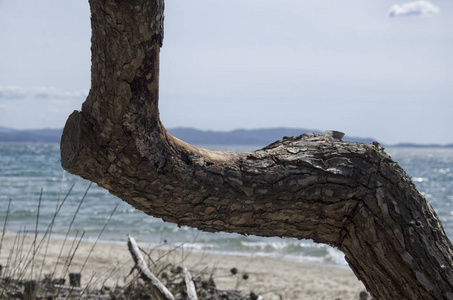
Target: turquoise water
[(25, 169)]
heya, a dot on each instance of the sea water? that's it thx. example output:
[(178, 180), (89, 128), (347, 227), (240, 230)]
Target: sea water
[(30, 172)]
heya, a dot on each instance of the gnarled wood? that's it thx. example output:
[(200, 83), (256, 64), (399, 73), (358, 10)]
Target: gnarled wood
[(349, 195)]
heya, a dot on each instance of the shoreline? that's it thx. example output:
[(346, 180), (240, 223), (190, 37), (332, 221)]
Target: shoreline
[(110, 264), (190, 247)]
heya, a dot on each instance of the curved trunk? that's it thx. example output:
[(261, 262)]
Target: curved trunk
[(349, 195)]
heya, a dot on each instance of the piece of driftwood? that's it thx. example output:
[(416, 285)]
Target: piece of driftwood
[(68, 288), (190, 286), (30, 289), (159, 289), (75, 279)]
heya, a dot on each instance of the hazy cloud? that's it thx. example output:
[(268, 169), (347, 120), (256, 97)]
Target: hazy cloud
[(58, 105), (17, 93), (423, 8)]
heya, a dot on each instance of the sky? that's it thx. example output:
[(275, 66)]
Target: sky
[(380, 69)]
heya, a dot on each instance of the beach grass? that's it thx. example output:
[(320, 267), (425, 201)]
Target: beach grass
[(38, 265), (34, 265)]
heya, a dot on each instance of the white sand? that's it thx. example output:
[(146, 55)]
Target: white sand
[(111, 264)]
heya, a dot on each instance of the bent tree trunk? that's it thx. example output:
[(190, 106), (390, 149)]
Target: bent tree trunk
[(349, 195)]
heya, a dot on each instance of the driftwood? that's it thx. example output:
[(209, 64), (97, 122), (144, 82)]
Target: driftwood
[(159, 289), (30, 290), (75, 279), (351, 196), (190, 286)]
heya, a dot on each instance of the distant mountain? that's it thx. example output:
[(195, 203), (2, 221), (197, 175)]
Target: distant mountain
[(192, 136), (244, 136), (6, 130), (235, 137), (32, 135), (412, 145), (256, 137)]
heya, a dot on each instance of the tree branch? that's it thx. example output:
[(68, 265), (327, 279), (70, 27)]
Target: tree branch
[(349, 195)]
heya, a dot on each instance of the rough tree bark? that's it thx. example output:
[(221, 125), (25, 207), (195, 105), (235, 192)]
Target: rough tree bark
[(349, 195)]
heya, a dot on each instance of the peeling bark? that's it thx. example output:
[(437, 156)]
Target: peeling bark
[(348, 195)]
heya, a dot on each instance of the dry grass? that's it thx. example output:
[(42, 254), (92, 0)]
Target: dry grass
[(24, 275)]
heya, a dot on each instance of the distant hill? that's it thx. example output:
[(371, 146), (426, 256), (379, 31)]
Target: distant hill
[(192, 136), (412, 145), (258, 137), (32, 135), (244, 136)]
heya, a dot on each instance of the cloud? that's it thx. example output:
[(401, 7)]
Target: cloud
[(423, 8), (18, 93), (58, 106)]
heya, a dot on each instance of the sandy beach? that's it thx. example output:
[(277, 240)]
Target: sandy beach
[(110, 264)]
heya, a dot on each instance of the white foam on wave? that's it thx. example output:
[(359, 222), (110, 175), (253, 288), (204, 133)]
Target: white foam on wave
[(420, 179)]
